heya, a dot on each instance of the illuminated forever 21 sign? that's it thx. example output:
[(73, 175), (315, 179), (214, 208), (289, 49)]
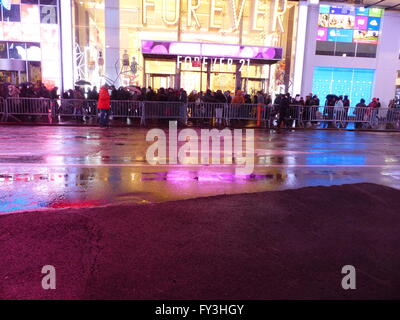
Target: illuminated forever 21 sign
[(274, 9), (197, 61)]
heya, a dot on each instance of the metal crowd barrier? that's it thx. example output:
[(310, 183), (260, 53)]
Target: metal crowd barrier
[(393, 118), (3, 110), (28, 106), (295, 116), (227, 112), (31, 107), (75, 108), (203, 110), (163, 110), (339, 117), (126, 109)]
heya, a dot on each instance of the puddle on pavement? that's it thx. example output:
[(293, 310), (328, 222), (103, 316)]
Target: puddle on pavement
[(87, 187)]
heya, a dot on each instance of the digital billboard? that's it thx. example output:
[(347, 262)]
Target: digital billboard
[(348, 25)]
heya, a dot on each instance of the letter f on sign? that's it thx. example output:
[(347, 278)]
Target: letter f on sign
[(49, 280)]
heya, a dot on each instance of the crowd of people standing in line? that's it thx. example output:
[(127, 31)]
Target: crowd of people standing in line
[(335, 106), (27, 90), (135, 93)]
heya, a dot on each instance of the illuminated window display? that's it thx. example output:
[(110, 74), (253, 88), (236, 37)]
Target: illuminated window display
[(29, 32), (355, 83), (348, 31), (254, 25), (88, 39)]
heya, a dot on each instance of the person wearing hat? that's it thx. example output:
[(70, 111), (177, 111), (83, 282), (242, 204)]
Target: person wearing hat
[(359, 112), (103, 105)]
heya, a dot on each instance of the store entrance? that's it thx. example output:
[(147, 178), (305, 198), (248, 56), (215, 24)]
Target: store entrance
[(157, 81), (253, 85), (164, 73)]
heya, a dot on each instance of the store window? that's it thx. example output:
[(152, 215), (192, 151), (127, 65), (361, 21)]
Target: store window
[(12, 15), (30, 13), (34, 71), (89, 42), (48, 14), (17, 51), (33, 52), (29, 32), (160, 66), (348, 31), (3, 50), (355, 83)]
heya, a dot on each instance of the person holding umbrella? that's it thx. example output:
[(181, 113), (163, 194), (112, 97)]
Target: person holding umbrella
[(103, 105)]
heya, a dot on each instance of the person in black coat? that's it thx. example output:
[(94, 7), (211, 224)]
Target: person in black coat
[(284, 103)]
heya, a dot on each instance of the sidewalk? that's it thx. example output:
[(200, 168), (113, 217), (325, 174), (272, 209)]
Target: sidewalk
[(270, 245)]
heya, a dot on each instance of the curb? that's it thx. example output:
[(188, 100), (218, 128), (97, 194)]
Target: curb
[(30, 124)]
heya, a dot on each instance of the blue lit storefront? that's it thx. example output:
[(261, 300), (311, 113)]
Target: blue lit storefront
[(346, 31)]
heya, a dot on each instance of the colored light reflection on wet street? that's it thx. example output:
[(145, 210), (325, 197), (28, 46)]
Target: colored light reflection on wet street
[(57, 167)]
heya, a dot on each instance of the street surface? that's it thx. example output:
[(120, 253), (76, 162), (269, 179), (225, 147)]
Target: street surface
[(57, 167)]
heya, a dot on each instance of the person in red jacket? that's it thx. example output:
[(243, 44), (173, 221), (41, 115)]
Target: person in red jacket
[(103, 105)]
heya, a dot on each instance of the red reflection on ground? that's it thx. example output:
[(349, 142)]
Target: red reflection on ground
[(82, 204)]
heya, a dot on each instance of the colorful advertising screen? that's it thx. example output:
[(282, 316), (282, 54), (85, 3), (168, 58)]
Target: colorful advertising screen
[(347, 24), (365, 36), (340, 35)]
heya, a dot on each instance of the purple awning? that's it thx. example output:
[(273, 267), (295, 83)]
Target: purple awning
[(193, 49)]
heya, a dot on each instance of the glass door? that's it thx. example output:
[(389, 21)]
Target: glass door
[(252, 86), (157, 81)]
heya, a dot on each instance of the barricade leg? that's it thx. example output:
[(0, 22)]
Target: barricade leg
[(143, 117)]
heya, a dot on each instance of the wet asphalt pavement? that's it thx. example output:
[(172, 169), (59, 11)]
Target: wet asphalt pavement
[(57, 167)]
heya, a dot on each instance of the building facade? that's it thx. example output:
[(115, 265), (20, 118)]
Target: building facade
[(350, 50), (271, 45), (30, 44), (194, 44)]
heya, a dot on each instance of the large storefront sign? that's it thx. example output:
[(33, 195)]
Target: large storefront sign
[(204, 61), (203, 51), (275, 9)]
